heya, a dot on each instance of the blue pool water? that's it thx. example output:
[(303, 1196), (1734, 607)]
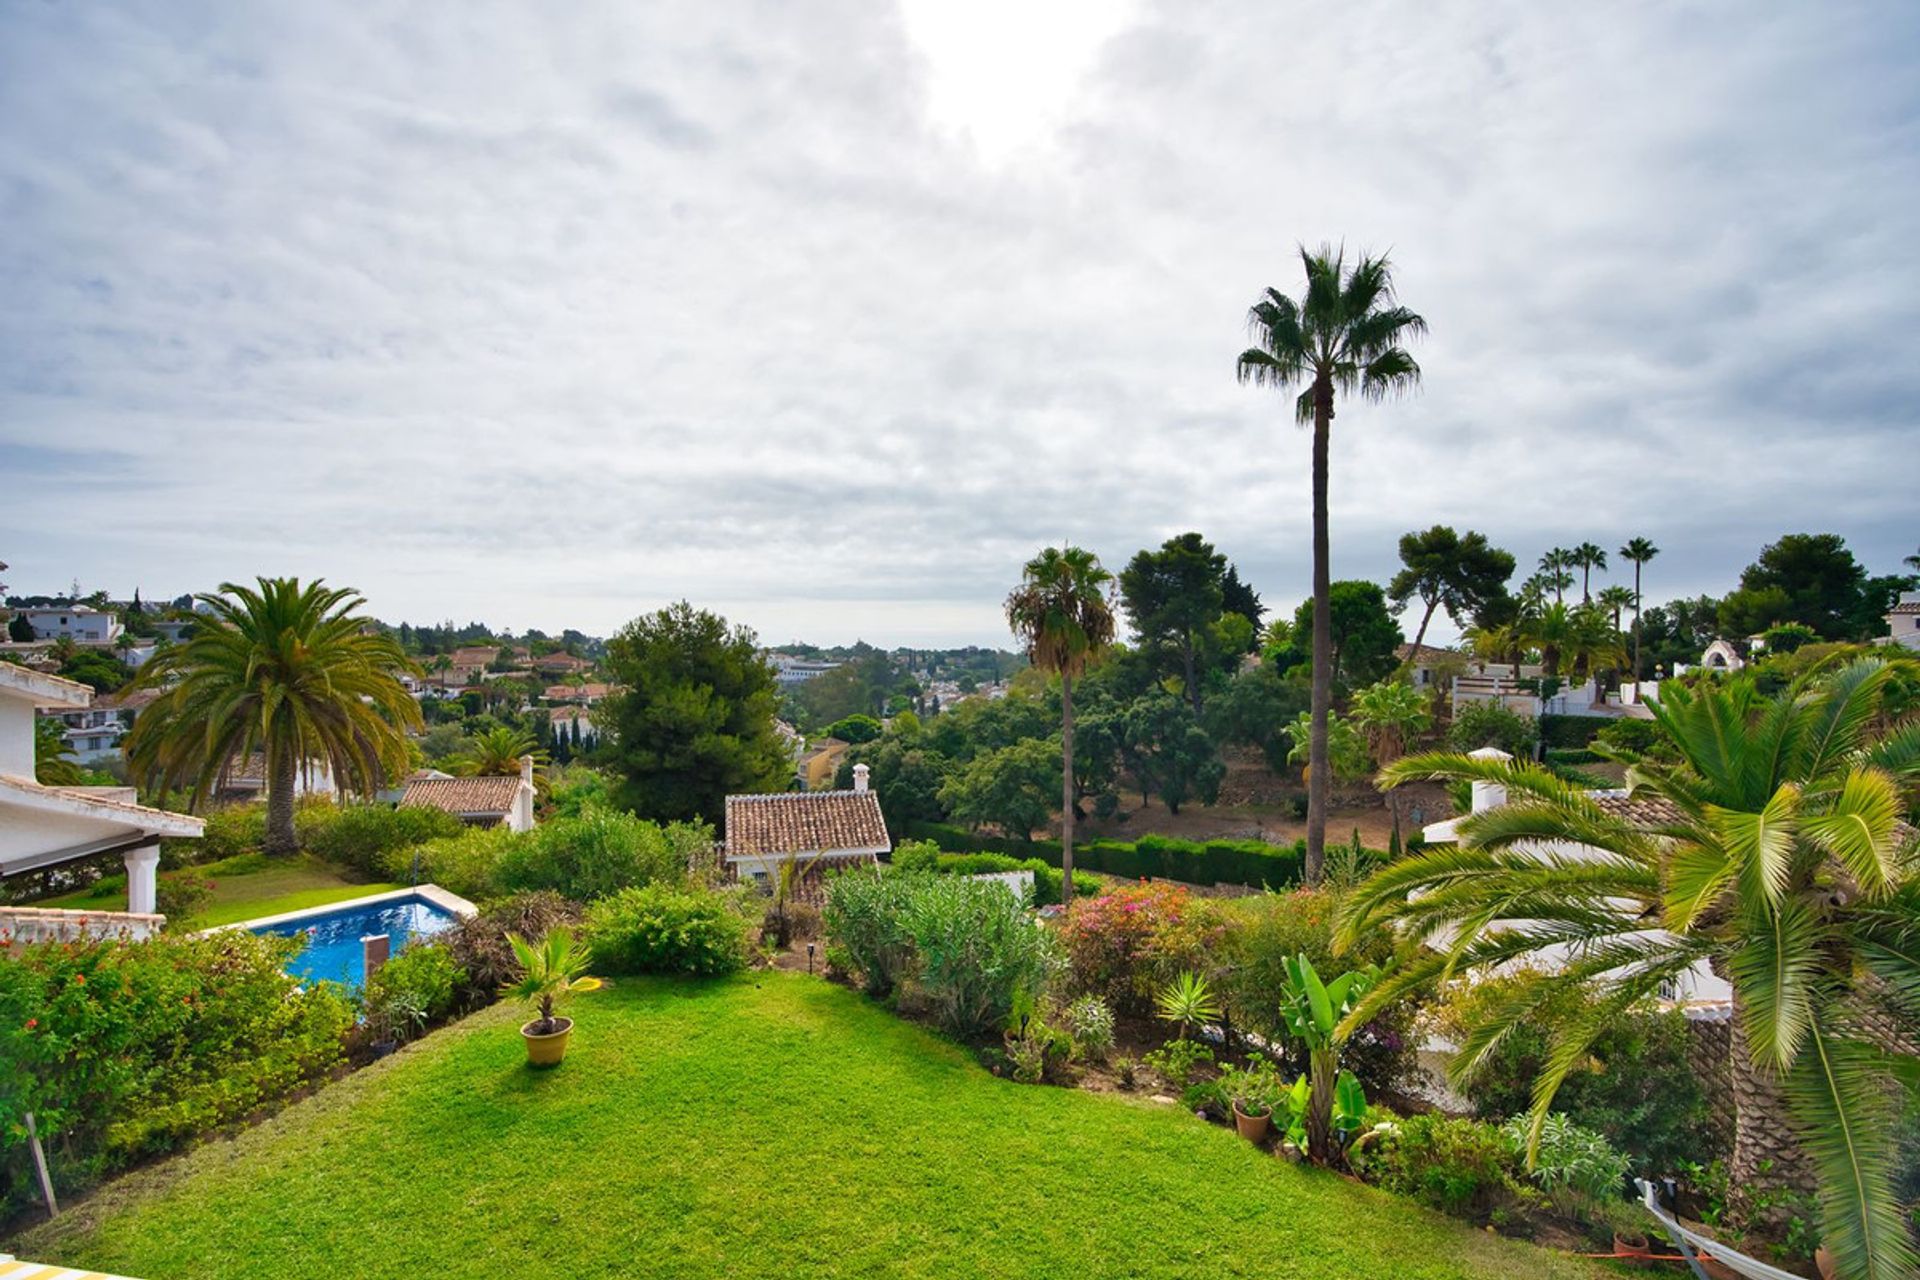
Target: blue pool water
[(333, 949)]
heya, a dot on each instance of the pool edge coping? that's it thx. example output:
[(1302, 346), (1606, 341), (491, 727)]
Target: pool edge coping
[(433, 894)]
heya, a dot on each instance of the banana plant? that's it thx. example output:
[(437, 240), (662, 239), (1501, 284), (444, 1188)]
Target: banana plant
[(1313, 1011)]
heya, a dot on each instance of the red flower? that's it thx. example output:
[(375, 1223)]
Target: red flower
[(32, 1023), (79, 979)]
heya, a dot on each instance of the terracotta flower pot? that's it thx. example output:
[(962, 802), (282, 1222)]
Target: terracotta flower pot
[(546, 1050), (1823, 1259), (1632, 1248), (1252, 1128)]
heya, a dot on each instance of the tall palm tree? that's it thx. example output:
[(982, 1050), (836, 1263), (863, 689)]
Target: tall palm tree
[(1392, 713), (1556, 571), (1587, 557), (1344, 335), (1063, 611), (1774, 856), (286, 670), (1637, 552), (1616, 600)]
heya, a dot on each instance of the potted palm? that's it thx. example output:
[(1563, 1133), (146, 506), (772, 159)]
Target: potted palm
[(550, 971)]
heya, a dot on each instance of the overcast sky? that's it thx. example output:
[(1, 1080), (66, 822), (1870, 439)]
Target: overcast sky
[(829, 315)]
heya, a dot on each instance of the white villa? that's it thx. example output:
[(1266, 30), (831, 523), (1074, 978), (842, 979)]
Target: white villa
[(1903, 620), (485, 801), (43, 826), (83, 623), (821, 829), (1699, 992)]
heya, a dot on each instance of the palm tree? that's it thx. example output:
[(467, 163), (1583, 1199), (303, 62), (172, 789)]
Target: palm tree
[(1616, 600), (1637, 552), (497, 753), (1391, 713), (53, 762), (1556, 572), (1586, 558), (1773, 854), (1063, 611), (287, 671), (1344, 335)]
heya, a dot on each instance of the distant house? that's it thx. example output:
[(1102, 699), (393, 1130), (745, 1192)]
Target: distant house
[(584, 694), (575, 722), (81, 623), (479, 802), (821, 829), (560, 664), (174, 630), (1903, 620), (92, 733), (43, 826), (1433, 660), (820, 765), (790, 671)]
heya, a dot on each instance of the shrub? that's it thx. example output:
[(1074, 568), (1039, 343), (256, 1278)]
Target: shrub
[(1636, 1086), (1089, 1020), (180, 897), (1461, 1167), (1249, 862), (1126, 943), (657, 929), (1571, 1162), (123, 1050), (1177, 1061), (230, 832), (975, 947), (1642, 737), (865, 920), (478, 943), (924, 855), (597, 853), (424, 975), (465, 864), (1484, 724), (1262, 934), (1570, 733), (360, 836)]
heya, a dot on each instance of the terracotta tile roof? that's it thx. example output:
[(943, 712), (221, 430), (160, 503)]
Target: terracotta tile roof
[(1640, 811), (805, 822), (463, 795), (1905, 607)]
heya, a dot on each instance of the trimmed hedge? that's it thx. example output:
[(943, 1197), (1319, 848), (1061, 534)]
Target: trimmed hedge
[(1570, 732), (1248, 862), (1047, 880)]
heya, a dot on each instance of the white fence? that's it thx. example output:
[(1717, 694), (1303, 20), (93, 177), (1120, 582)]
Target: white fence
[(22, 925)]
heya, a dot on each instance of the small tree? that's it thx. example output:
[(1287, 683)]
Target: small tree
[(1313, 1011)]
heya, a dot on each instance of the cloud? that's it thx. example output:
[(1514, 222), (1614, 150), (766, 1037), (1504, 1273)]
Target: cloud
[(804, 315)]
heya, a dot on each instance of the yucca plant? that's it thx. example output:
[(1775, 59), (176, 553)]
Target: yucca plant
[(1777, 858), (1188, 1001), (551, 969)]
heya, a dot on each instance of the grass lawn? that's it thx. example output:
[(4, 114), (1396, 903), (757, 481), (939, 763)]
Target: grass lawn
[(770, 1125), (244, 887)]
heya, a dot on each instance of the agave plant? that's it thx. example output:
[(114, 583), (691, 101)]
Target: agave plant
[(1775, 856), (1189, 1001)]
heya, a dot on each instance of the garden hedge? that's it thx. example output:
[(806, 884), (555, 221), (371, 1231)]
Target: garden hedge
[(1248, 862), (1570, 732)]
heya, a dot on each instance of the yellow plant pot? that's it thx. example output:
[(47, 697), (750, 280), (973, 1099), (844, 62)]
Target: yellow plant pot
[(546, 1050)]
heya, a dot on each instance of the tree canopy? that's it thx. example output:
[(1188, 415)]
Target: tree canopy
[(1363, 633), (1446, 570)]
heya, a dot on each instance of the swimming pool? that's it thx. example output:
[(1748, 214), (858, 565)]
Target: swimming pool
[(333, 951)]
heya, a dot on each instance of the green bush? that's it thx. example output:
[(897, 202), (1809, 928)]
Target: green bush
[(597, 853), (1572, 1163), (1642, 737), (1571, 733), (124, 1050), (1248, 862), (466, 864), (231, 831), (865, 921), (1488, 724), (1637, 1088), (1571, 756), (1461, 1167), (361, 836), (1262, 934), (424, 976), (976, 947), (657, 929), (1048, 882), (479, 947)]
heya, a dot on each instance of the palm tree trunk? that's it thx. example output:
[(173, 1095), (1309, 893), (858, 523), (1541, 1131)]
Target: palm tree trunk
[(1636, 632), (1066, 790), (1414, 657), (1767, 1156), (280, 768), (1319, 771)]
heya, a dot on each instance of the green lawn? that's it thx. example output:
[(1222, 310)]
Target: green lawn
[(244, 887), (771, 1125)]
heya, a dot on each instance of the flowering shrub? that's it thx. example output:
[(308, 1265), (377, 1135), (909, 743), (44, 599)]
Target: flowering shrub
[(122, 1049), (1125, 944)]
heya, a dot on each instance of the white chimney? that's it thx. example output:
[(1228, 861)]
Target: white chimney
[(1488, 795), (860, 777), (526, 770)]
